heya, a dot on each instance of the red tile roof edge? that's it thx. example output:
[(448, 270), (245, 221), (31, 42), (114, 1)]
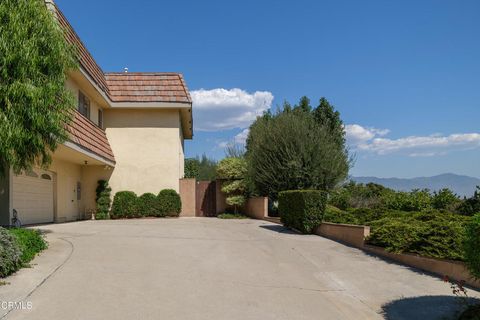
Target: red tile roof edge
[(88, 63), (85, 134)]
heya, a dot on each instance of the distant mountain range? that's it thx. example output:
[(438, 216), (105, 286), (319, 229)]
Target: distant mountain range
[(461, 185)]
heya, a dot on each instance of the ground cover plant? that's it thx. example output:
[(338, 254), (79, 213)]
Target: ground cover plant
[(17, 248), (421, 222)]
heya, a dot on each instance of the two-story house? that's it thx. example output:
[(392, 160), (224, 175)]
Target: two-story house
[(129, 129)]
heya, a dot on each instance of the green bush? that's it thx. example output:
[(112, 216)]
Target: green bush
[(472, 246), (103, 200), (169, 203), (30, 241), (148, 206), (124, 205), (430, 234), (10, 253), (302, 209), (335, 215)]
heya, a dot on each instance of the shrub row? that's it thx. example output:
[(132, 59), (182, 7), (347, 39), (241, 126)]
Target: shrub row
[(17, 248), (126, 204), (374, 196), (302, 209), (430, 233)]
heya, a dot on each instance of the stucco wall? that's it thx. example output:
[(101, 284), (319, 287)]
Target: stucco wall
[(5, 199), (146, 144), (353, 235), (90, 177), (188, 195), (256, 207), (67, 174)]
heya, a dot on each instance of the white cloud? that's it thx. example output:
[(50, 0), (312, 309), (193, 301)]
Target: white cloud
[(357, 134), (240, 139), (372, 140), (222, 109)]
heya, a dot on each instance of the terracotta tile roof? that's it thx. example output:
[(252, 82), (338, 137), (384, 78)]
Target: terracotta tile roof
[(127, 87), (87, 135), (84, 57), (147, 87)]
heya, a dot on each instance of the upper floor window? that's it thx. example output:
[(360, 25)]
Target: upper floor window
[(83, 104), (100, 118)]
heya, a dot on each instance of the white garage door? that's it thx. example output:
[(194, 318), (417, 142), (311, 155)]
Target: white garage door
[(33, 197)]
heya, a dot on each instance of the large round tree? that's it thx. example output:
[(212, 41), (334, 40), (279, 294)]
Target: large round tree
[(34, 102), (297, 148)]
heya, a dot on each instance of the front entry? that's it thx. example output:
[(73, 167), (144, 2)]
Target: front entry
[(33, 196)]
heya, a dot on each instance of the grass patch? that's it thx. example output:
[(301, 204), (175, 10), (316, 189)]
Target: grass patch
[(232, 216), (30, 241)]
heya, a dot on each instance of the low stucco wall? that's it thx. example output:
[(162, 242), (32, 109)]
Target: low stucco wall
[(453, 269), (257, 207), (188, 195), (353, 235)]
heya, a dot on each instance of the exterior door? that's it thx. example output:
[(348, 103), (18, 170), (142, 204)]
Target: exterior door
[(206, 200), (33, 197)]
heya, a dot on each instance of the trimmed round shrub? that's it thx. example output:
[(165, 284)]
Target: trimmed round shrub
[(103, 199), (125, 205), (472, 246), (148, 205), (302, 209), (169, 203), (10, 253)]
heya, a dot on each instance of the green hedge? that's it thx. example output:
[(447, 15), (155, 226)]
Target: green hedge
[(149, 205), (302, 209), (472, 246), (125, 205), (10, 253), (170, 203), (30, 241)]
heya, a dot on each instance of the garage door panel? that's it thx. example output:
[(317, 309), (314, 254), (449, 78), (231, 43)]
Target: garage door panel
[(33, 199)]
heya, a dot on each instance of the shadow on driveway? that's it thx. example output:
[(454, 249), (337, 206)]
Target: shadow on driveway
[(426, 308), (278, 228)]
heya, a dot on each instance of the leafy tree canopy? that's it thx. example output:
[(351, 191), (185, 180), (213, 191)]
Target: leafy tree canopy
[(202, 168), (297, 148), (34, 102)]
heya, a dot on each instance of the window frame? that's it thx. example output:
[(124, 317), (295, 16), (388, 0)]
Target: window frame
[(100, 118), (83, 104)]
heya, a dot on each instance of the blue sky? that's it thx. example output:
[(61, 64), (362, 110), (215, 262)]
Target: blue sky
[(405, 75)]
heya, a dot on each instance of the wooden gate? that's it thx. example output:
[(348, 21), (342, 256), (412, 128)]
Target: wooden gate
[(206, 200)]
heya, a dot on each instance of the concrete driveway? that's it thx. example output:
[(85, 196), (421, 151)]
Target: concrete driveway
[(207, 268)]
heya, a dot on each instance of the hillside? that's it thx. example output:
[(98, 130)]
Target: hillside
[(461, 185)]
